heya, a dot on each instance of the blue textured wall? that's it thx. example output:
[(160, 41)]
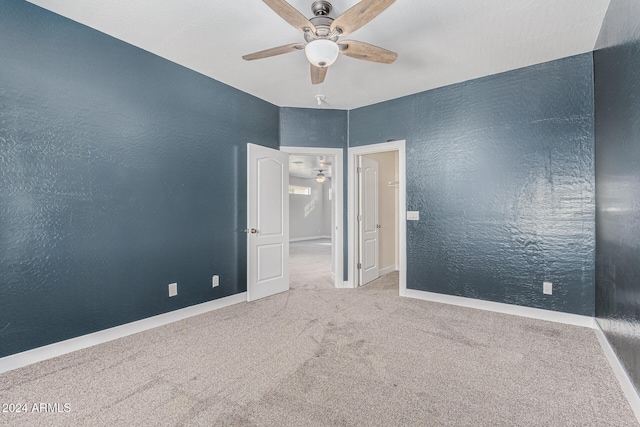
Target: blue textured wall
[(617, 116), (502, 172), (120, 172), (305, 127)]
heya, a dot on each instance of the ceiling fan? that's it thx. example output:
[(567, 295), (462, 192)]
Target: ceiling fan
[(322, 32)]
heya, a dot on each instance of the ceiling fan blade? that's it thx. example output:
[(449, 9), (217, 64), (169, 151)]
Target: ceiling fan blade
[(290, 14), (366, 51), (274, 51), (359, 15), (318, 74)]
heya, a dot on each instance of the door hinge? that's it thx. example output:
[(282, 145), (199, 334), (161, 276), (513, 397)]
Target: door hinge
[(359, 169), (359, 266), (359, 217)]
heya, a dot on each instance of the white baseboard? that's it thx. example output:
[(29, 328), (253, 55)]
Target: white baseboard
[(535, 313), (63, 347), (302, 239), (387, 270), (629, 390)]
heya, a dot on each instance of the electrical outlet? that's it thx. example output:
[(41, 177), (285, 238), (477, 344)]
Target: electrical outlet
[(547, 288), (215, 281), (173, 289), (413, 215)]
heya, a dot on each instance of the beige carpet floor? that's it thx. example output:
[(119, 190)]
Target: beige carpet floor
[(320, 356)]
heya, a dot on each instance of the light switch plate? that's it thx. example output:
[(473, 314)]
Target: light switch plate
[(413, 215), (215, 281), (547, 288), (173, 289)]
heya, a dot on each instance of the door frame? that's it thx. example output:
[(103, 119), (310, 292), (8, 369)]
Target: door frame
[(337, 184), (352, 204)]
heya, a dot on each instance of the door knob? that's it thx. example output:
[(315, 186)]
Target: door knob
[(251, 231)]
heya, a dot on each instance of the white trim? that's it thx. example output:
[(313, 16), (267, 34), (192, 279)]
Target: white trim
[(387, 270), (337, 179), (39, 354), (629, 390), (399, 146), (302, 239), (498, 307)]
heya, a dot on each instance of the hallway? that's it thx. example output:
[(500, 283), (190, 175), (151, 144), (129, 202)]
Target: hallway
[(310, 264)]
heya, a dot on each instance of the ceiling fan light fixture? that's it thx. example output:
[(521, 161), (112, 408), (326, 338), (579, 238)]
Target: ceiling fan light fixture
[(322, 52)]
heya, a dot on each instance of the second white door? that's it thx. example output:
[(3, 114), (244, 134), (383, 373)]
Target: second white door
[(368, 220)]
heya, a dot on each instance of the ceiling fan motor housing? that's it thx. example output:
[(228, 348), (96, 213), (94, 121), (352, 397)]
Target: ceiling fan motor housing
[(321, 8), (322, 21)]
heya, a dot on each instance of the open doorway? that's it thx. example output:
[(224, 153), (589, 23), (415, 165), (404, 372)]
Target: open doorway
[(377, 212), (315, 216)]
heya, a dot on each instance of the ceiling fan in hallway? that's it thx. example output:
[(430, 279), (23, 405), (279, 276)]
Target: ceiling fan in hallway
[(321, 33)]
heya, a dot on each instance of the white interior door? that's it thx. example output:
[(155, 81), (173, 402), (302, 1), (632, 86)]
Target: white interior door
[(267, 222), (368, 220)]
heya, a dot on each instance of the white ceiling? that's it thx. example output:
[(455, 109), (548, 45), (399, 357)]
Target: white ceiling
[(439, 42)]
